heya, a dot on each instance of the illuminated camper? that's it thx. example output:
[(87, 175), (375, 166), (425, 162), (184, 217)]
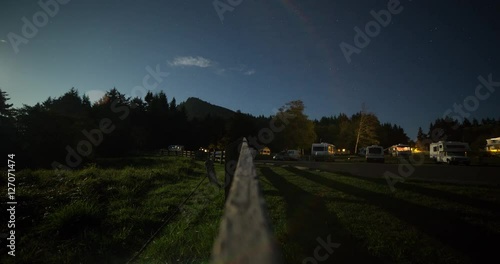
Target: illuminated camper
[(400, 150), (493, 145), (265, 151), (323, 151)]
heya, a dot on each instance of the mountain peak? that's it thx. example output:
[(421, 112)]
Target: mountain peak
[(197, 108)]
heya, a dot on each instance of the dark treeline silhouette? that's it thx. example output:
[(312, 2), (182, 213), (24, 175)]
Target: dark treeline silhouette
[(473, 132), (342, 131), (69, 130)]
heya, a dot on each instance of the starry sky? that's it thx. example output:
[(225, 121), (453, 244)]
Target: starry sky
[(256, 55)]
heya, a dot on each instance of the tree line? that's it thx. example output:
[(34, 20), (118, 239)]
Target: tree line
[(69, 130), (475, 132)]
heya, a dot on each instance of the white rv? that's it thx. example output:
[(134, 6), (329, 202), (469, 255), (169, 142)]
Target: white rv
[(450, 152), (374, 153), (493, 145), (323, 151), (400, 150)]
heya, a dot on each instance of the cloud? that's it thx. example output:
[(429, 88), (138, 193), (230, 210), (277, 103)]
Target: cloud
[(192, 61), (249, 72), (3, 40), (218, 69)]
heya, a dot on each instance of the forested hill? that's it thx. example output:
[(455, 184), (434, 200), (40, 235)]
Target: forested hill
[(200, 109)]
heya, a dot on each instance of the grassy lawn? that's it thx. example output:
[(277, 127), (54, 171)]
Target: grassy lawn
[(484, 160), (106, 212), (419, 223)]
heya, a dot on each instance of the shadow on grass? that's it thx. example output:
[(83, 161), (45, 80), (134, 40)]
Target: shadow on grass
[(474, 241), (308, 219), (120, 163), (440, 194)]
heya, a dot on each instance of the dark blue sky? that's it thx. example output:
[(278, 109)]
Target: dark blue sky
[(264, 54)]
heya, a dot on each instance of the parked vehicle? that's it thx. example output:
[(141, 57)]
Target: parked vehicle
[(323, 151), (493, 146), (283, 155), (450, 152), (265, 151), (294, 154), (375, 153), (400, 150)]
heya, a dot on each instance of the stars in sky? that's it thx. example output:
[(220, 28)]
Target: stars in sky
[(289, 49)]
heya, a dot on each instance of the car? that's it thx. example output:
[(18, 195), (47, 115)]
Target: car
[(293, 154), (283, 155)]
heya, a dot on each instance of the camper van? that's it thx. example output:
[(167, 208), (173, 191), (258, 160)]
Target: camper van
[(450, 152), (323, 151), (493, 145), (265, 151), (400, 150), (374, 153)]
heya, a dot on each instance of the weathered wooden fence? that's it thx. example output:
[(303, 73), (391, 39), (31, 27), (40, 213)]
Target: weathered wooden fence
[(218, 156), (183, 153), (245, 234)]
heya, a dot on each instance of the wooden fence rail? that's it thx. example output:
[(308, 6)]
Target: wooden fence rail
[(217, 156), (245, 234)]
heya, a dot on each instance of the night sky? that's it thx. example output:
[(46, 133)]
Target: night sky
[(263, 54)]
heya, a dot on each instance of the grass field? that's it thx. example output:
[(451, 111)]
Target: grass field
[(490, 160), (419, 223), (106, 212)]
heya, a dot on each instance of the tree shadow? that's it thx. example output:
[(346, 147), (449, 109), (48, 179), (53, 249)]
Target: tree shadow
[(308, 219), (474, 241), (440, 194)]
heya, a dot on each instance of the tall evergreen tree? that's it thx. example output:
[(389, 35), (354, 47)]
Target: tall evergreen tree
[(7, 126)]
